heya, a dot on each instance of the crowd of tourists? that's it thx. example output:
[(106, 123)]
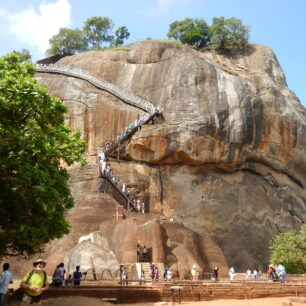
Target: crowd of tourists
[(58, 277), (106, 170), (277, 273), (136, 125), (35, 282)]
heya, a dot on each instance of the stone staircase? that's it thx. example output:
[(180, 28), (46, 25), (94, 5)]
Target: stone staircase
[(146, 268)]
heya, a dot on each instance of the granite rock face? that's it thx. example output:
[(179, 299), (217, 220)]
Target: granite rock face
[(226, 168)]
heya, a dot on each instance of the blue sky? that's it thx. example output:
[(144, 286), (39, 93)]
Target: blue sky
[(279, 24)]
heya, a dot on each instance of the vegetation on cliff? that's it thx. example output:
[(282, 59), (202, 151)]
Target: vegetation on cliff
[(34, 143), (289, 249), (97, 33), (226, 35)]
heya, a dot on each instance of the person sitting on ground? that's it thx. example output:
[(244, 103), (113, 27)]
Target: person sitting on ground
[(77, 275), (69, 280), (34, 284)]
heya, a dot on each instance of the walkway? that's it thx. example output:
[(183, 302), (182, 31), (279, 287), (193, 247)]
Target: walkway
[(120, 93), (124, 137)]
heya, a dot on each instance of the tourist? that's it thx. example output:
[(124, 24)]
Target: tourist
[(58, 276), (143, 207), (69, 280), (216, 274), (103, 166), (154, 272), (232, 274), (169, 274), (125, 276), (102, 155), (123, 188), (269, 272), (194, 273), (145, 254), (6, 278), (77, 275), (34, 284), (274, 275), (281, 271), (248, 274), (138, 205), (255, 274), (139, 253)]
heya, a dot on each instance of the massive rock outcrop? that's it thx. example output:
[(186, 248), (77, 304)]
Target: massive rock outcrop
[(227, 166)]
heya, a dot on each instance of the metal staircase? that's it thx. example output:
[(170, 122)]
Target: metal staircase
[(107, 185)]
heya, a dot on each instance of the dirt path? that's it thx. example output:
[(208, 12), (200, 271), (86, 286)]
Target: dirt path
[(84, 301)]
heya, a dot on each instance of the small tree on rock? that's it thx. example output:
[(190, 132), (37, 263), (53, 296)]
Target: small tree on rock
[(98, 30), (193, 32), (121, 34), (67, 42), (228, 35)]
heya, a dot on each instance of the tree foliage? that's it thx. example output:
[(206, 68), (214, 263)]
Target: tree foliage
[(67, 42), (190, 31), (228, 35), (23, 55), (98, 30), (97, 33), (34, 141), (289, 249), (121, 34)]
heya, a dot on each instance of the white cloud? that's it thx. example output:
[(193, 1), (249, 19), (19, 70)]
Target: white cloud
[(34, 28)]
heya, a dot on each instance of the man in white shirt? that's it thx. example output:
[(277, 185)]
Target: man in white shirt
[(6, 278)]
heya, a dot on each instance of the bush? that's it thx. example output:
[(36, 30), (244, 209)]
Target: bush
[(289, 249)]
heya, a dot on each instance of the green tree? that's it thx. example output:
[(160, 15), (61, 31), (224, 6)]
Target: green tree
[(289, 249), (67, 42), (98, 30), (34, 143), (121, 34), (24, 55), (193, 32), (228, 35)]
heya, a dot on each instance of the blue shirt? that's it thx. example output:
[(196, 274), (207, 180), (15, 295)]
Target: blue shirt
[(5, 279)]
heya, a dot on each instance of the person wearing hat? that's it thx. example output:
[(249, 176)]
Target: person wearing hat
[(34, 284)]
